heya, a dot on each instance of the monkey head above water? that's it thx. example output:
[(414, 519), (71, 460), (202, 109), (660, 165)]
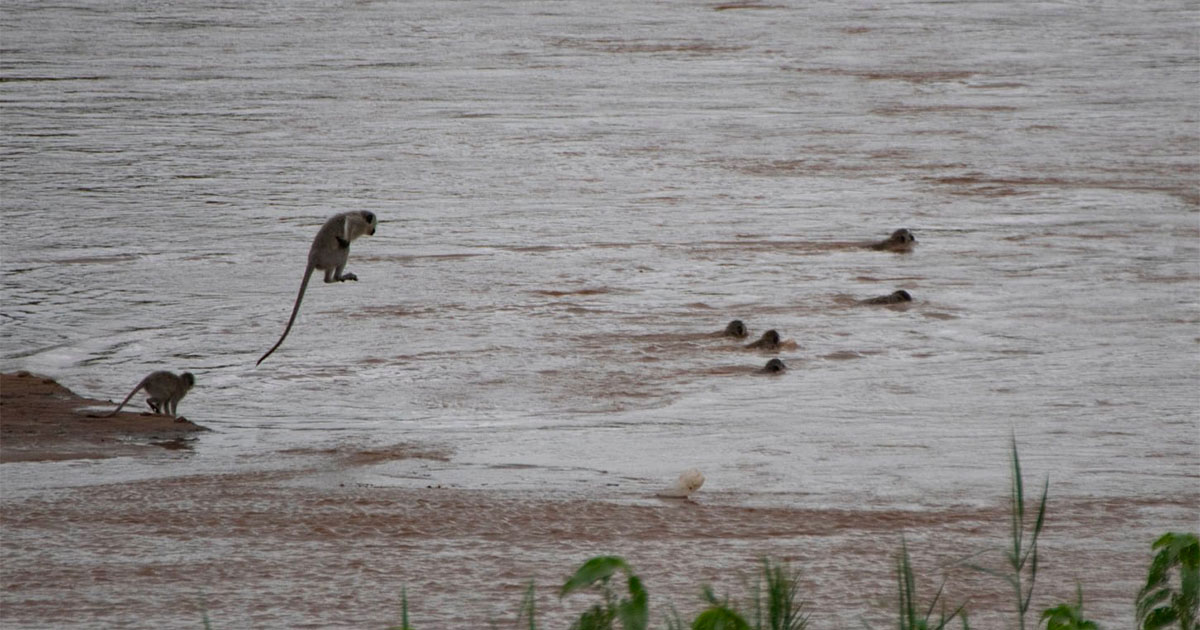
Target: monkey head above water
[(900, 241), (735, 329), (768, 341), (329, 252), (774, 366), (164, 390), (895, 297)]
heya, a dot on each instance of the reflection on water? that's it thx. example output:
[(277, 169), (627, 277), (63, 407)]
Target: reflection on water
[(572, 199)]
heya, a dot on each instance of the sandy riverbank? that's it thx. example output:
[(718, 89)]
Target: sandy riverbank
[(41, 420), (284, 546)]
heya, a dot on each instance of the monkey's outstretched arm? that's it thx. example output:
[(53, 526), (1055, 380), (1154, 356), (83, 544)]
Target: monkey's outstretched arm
[(295, 309)]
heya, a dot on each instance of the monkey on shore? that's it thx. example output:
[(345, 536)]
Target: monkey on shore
[(164, 389), (896, 297), (329, 252), (900, 241)]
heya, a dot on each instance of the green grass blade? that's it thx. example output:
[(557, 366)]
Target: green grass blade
[(594, 570)]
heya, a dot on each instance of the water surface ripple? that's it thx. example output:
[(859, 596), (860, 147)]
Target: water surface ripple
[(573, 195)]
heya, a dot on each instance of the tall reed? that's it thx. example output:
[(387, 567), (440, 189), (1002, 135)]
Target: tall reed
[(1022, 555), (910, 615)]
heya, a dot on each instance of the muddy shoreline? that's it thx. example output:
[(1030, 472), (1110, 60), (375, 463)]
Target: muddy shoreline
[(41, 420), (275, 546)]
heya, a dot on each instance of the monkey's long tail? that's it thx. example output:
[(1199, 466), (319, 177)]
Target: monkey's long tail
[(135, 390), (295, 309)]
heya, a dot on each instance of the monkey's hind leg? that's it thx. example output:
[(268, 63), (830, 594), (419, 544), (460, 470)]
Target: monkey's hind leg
[(154, 403), (336, 275)]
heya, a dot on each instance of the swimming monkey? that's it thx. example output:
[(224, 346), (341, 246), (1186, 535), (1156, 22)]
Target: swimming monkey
[(164, 389), (735, 329), (895, 298), (774, 366), (900, 241), (329, 252), (768, 341)]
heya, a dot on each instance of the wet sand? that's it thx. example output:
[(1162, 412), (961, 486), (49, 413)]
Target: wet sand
[(273, 547), (41, 420)]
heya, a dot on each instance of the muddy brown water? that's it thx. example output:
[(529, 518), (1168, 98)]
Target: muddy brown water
[(573, 197)]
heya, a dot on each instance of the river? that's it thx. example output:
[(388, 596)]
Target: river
[(573, 196)]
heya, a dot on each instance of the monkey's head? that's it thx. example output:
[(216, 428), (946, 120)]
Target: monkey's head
[(901, 296), (735, 329), (188, 379), (369, 217), (774, 366), (903, 237), (771, 337)]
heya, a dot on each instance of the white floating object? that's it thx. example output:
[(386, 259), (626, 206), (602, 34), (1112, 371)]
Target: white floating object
[(689, 481)]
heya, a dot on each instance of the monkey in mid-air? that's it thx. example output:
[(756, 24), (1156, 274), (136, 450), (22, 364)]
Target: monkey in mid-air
[(164, 389), (329, 252)]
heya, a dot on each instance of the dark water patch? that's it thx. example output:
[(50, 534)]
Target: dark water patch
[(615, 245), (562, 293), (403, 258), (847, 355), (908, 110), (732, 6), (179, 24), (978, 184), (64, 134), (893, 279), (356, 455), (669, 339), (917, 77), (398, 310), (662, 199), (176, 444), (536, 249), (386, 65), (999, 85), (12, 79), (644, 47), (753, 243), (799, 166), (98, 260)]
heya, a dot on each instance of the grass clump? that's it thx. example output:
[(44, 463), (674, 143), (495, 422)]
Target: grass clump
[(1159, 604), (774, 604), (1068, 616), (633, 612), (778, 606), (910, 615)]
